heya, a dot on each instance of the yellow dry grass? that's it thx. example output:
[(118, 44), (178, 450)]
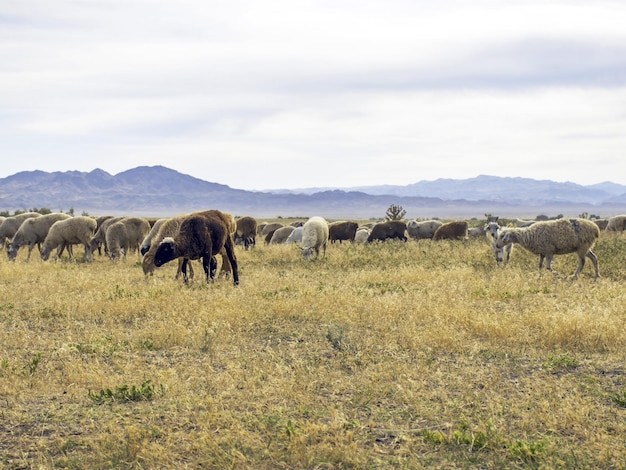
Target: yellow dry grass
[(395, 355)]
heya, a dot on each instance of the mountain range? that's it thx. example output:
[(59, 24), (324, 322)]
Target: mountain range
[(159, 191)]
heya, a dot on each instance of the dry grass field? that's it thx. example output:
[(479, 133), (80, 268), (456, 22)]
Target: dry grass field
[(389, 355)]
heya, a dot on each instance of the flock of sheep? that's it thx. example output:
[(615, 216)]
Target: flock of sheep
[(203, 235)]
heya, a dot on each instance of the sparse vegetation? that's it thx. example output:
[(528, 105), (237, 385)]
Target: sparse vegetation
[(399, 355)]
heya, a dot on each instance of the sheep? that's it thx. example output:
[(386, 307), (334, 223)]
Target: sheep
[(556, 237), (493, 230), (422, 230), (201, 235), (314, 237), (245, 231), (99, 237), (342, 230), (601, 223), (475, 232), (33, 232), (267, 228), (361, 235), (64, 233), (11, 224), (145, 244), (616, 224), (523, 223), (295, 236), (388, 230), (127, 235), (455, 230), (281, 235)]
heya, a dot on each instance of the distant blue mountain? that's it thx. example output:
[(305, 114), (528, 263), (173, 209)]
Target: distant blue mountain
[(160, 191)]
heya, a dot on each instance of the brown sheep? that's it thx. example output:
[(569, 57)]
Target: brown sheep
[(456, 230), (201, 235), (390, 229), (246, 230), (339, 231)]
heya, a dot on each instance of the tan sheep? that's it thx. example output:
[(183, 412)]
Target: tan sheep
[(68, 232), (556, 237), (33, 232)]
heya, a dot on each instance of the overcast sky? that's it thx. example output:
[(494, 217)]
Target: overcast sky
[(275, 94)]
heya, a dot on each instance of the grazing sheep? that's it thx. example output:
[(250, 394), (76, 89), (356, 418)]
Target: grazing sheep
[(295, 236), (616, 224), (11, 224), (125, 235), (342, 230), (455, 230), (145, 244), (201, 235), (99, 237), (68, 232), (314, 237), (556, 237), (268, 228), (281, 235), (361, 235), (388, 230), (33, 232), (245, 232), (601, 223), (423, 230), (493, 230)]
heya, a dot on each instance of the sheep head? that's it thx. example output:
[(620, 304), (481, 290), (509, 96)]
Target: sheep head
[(306, 253), (45, 252), (12, 251), (165, 252)]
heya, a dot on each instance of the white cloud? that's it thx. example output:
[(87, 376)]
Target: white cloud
[(315, 93)]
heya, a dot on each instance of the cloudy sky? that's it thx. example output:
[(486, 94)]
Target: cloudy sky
[(275, 94)]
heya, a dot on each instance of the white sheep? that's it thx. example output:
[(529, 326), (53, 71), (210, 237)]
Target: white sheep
[(556, 237), (145, 244), (616, 224), (493, 230), (72, 231), (33, 232), (295, 236), (361, 235), (422, 230), (11, 224), (314, 237)]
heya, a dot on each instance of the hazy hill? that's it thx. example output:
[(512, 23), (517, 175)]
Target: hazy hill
[(160, 191)]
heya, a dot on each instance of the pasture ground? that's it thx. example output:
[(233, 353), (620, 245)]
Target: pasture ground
[(396, 355)]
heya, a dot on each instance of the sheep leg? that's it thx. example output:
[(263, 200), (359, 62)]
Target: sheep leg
[(594, 260), (230, 254), (183, 269)]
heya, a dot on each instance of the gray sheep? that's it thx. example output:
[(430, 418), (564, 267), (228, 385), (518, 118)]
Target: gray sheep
[(246, 231), (33, 232), (295, 236), (556, 237), (616, 224), (342, 230), (314, 237), (281, 235), (11, 224), (68, 232), (99, 237), (201, 235), (388, 230), (125, 235), (456, 230), (422, 230)]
